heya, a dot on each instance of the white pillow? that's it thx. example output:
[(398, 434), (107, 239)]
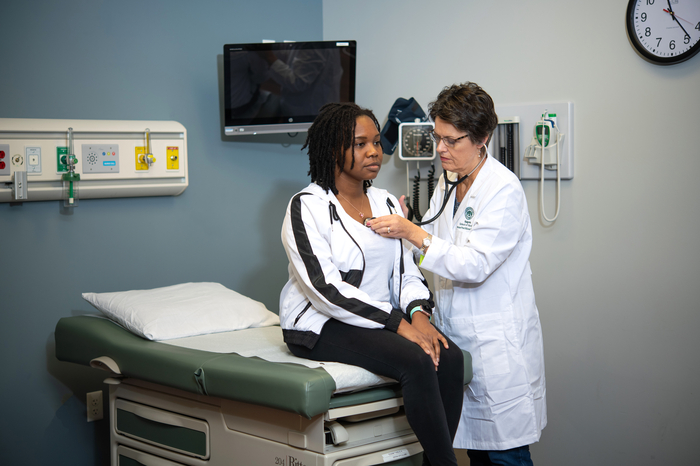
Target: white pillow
[(182, 310)]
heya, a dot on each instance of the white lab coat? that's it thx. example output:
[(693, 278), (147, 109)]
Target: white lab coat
[(485, 303)]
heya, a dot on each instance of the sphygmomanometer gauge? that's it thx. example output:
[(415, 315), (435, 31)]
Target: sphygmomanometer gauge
[(415, 142)]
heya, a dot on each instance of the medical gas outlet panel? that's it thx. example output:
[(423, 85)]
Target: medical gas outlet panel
[(100, 158)]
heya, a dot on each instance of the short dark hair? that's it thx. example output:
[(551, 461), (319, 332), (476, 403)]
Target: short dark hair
[(468, 108), (330, 135)]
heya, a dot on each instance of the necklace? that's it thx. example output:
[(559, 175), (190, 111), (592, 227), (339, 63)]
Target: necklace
[(362, 215)]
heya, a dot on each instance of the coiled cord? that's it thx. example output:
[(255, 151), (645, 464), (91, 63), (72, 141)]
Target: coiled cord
[(431, 181), (416, 197)]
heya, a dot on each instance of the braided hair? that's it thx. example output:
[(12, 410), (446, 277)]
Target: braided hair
[(331, 134)]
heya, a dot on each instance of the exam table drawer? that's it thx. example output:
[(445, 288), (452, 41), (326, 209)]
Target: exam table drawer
[(130, 457), (165, 429)]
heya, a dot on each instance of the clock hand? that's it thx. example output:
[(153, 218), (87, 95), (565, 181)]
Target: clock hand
[(676, 18)]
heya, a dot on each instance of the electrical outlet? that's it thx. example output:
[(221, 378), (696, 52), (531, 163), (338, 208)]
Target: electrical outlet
[(4, 159), (94, 406)]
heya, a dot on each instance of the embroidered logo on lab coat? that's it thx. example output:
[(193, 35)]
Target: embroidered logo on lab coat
[(466, 223)]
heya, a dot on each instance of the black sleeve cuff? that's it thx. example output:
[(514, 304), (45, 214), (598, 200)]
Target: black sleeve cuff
[(394, 320), (423, 303)]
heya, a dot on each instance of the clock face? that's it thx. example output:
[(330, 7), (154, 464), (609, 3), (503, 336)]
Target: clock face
[(415, 141), (664, 31)]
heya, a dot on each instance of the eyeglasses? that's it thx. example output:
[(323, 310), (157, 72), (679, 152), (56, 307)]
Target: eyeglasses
[(449, 142)]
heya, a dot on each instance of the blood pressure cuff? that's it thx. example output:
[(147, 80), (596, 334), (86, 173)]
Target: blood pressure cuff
[(402, 111)]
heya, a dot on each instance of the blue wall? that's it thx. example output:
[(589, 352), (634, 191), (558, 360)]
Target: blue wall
[(130, 60)]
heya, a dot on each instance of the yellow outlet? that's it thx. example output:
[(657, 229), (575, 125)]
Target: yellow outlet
[(173, 160), (140, 165)]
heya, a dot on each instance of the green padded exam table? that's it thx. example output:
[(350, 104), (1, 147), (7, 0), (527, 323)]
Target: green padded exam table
[(170, 405)]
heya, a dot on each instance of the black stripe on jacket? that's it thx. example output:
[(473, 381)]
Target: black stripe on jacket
[(318, 280)]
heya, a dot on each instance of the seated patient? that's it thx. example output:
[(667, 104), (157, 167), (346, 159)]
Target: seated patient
[(357, 298)]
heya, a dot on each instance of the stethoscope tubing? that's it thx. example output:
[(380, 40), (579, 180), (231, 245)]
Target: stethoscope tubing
[(446, 198), (448, 193)]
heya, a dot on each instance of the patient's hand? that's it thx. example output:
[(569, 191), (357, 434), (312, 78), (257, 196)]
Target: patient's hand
[(411, 333), (422, 323)]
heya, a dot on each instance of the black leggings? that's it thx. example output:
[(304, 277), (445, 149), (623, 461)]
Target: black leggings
[(432, 399)]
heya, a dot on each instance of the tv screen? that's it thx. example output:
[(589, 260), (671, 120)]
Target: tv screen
[(279, 87)]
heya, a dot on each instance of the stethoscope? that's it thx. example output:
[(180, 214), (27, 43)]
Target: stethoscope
[(448, 193)]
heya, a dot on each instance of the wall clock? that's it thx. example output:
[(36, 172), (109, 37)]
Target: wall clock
[(664, 32)]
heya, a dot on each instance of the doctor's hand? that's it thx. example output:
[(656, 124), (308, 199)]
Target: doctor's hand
[(422, 323), (411, 333), (395, 226)]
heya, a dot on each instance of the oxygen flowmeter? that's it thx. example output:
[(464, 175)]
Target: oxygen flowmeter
[(70, 179)]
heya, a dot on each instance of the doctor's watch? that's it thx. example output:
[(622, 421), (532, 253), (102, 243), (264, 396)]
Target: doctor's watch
[(427, 241)]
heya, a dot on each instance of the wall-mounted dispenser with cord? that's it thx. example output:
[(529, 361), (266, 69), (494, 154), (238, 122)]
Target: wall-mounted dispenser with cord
[(544, 149), (556, 129)]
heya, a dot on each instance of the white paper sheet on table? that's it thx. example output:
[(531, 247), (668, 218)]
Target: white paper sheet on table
[(267, 343)]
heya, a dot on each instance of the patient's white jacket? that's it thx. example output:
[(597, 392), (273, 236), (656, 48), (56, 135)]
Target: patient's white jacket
[(326, 267), (485, 303)]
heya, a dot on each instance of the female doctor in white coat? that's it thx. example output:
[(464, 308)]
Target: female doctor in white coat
[(478, 250)]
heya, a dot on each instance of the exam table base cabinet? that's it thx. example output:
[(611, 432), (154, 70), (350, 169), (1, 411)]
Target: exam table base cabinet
[(154, 425)]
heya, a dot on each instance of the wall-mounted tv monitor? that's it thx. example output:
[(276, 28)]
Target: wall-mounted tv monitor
[(279, 87)]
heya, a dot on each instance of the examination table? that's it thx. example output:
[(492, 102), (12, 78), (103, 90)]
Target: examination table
[(170, 405)]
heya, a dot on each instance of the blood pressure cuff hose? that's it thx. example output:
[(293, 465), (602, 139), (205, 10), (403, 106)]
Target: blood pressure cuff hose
[(402, 111)]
